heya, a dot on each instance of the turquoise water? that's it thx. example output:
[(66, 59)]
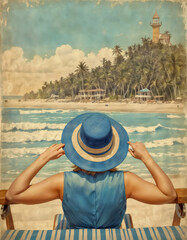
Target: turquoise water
[(28, 132)]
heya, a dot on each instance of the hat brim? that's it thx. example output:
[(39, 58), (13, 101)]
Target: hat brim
[(86, 164)]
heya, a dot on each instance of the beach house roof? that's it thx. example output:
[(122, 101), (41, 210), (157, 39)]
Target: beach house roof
[(93, 90), (145, 90)]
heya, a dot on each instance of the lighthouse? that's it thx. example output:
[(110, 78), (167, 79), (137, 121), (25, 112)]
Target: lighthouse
[(156, 27)]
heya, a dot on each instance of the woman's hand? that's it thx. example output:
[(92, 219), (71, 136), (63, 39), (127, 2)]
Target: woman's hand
[(139, 151), (139, 189), (53, 152), (21, 191)]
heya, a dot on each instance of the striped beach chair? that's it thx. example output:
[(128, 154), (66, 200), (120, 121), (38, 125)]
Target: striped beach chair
[(174, 232), (60, 222), (152, 233)]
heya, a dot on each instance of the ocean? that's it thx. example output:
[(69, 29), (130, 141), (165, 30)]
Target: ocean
[(27, 132)]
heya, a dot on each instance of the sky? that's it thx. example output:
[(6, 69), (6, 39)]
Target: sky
[(42, 42)]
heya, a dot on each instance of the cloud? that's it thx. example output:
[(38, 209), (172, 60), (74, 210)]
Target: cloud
[(13, 60), (4, 2), (21, 75)]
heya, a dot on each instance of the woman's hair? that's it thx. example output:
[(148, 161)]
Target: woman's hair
[(78, 169)]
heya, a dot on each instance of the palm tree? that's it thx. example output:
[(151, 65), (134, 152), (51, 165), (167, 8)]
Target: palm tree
[(71, 83), (81, 70), (105, 75), (161, 68), (130, 52), (117, 50), (176, 63), (174, 66)]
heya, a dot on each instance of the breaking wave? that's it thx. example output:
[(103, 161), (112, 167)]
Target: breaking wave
[(168, 154), (25, 151), (20, 152), (174, 116), (150, 129), (36, 136), (165, 142), (25, 126), (40, 111), (31, 126)]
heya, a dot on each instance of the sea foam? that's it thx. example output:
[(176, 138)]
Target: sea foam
[(174, 116), (35, 136), (31, 126), (141, 129), (39, 111), (20, 152), (170, 154), (165, 142), (24, 126)]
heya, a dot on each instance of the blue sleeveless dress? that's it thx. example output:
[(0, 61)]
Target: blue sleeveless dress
[(94, 201)]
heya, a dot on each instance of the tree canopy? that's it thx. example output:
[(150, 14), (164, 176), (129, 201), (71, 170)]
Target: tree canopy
[(160, 68)]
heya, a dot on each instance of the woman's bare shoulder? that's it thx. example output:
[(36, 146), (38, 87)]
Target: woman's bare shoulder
[(129, 179), (58, 181)]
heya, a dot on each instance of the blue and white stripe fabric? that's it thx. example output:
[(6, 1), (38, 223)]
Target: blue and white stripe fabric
[(152, 233)]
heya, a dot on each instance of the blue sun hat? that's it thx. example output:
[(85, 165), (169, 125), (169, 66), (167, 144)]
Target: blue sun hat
[(95, 142)]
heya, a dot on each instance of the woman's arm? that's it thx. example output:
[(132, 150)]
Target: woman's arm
[(51, 188), (160, 192)]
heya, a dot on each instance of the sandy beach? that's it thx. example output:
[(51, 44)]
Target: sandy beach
[(41, 216), (98, 106)]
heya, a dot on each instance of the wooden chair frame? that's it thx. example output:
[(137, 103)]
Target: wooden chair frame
[(180, 209)]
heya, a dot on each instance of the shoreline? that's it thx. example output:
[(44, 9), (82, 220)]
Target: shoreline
[(99, 106)]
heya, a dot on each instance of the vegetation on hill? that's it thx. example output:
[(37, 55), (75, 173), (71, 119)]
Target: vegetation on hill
[(160, 68)]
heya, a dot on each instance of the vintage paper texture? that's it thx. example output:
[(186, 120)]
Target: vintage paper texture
[(26, 63)]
